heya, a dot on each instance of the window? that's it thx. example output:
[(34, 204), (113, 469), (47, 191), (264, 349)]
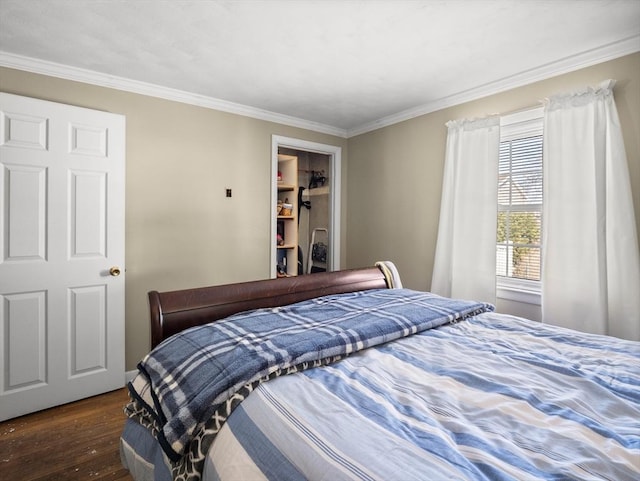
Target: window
[(519, 230)]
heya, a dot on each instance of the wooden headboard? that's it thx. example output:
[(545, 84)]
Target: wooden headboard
[(174, 311)]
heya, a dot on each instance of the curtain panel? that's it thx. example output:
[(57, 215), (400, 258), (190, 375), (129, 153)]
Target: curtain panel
[(591, 261), (465, 259)]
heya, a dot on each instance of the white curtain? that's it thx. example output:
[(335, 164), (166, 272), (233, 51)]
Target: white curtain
[(465, 260), (591, 262)]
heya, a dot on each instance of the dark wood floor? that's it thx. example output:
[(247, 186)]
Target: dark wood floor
[(71, 442)]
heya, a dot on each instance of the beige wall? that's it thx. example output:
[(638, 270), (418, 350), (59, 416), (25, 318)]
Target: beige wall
[(181, 230), (395, 173)]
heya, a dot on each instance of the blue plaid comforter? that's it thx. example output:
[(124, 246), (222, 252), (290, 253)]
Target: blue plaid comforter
[(189, 376)]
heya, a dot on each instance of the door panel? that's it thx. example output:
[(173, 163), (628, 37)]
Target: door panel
[(25, 340), (88, 324), (88, 194), (26, 192), (62, 221)]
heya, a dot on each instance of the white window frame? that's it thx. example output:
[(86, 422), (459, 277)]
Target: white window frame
[(521, 124)]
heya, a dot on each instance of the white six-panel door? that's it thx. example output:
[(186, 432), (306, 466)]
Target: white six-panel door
[(61, 250)]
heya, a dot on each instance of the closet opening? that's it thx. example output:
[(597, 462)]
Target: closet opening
[(315, 245)]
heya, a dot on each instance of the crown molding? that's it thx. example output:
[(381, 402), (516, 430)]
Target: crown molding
[(67, 72), (595, 56), (611, 51)]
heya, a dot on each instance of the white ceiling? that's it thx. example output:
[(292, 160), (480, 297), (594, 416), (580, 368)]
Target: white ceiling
[(343, 67)]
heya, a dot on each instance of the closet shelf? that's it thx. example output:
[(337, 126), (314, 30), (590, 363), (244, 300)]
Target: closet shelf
[(286, 255), (286, 187), (324, 190)]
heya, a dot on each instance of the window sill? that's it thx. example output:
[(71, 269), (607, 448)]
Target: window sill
[(519, 290)]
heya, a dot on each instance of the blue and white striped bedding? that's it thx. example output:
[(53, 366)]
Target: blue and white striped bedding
[(493, 397), (490, 397), (191, 382)]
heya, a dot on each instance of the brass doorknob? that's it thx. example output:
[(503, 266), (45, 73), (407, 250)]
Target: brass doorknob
[(114, 271)]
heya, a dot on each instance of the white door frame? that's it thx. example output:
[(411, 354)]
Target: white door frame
[(335, 170)]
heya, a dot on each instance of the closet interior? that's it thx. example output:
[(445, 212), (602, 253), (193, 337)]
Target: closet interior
[(303, 212)]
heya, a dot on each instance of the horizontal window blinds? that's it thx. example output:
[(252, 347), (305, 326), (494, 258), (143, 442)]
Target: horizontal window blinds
[(519, 208)]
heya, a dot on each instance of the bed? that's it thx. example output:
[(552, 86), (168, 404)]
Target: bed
[(348, 375)]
